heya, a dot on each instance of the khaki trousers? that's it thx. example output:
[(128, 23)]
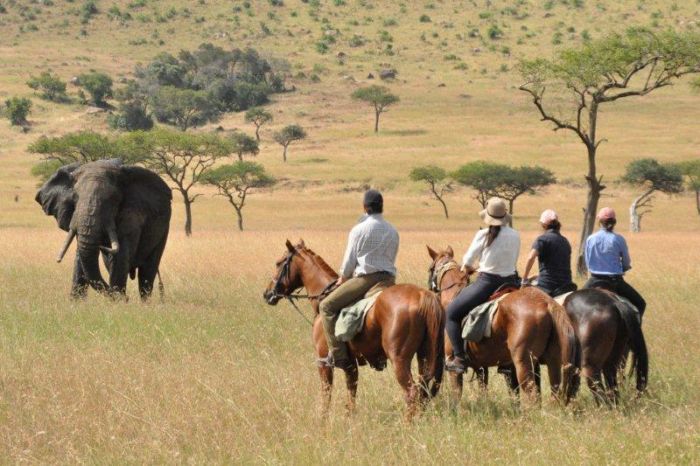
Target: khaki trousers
[(346, 294)]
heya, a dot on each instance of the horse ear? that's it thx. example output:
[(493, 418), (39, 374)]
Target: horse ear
[(290, 246), (301, 243), (450, 252), (431, 252)]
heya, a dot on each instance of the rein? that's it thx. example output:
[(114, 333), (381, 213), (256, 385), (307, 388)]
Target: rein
[(438, 274), (291, 297)]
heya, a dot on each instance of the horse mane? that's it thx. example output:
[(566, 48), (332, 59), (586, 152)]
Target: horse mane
[(318, 260)]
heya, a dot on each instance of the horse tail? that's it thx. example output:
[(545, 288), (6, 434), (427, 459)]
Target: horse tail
[(433, 345), (640, 363), (569, 347)]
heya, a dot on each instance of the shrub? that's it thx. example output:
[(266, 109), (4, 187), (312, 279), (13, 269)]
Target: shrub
[(424, 18), (17, 109), (495, 32), (51, 86), (131, 117), (99, 85)]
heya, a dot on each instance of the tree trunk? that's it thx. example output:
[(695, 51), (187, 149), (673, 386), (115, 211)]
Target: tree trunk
[(284, 153), (697, 200), (635, 216), (444, 206), (240, 219), (240, 156), (188, 213), (589, 213), (257, 132), (510, 210), (376, 121)]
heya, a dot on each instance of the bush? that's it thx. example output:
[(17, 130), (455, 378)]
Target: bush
[(17, 109), (495, 32), (98, 85), (424, 18), (51, 86), (131, 117)]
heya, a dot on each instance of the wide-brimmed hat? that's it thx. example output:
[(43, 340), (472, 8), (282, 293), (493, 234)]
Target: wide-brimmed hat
[(606, 213), (548, 216), (496, 212)]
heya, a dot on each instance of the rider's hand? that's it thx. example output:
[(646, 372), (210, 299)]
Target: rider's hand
[(524, 282)]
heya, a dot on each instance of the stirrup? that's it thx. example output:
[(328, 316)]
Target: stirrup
[(457, 364)]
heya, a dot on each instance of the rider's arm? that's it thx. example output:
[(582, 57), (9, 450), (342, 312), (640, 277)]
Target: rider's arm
[(624, 254), (473, 254), (530, 262), (350, 258)]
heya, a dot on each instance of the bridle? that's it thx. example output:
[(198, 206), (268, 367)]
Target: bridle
[(284, 272), (437, 272)]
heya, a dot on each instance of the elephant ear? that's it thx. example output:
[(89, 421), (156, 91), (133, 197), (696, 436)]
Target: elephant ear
[(56, 196), (145, 191)]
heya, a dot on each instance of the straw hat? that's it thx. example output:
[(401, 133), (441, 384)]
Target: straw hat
[(496, 212)]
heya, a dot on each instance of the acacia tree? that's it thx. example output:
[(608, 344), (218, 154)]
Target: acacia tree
[(184, 108), (287, 135), (436, 179), (509, 183), (236, 181), (51, 87), (98, 85), (379, 97), (691, 170), (258, 116), (620, 65), (183, 158), (242, 144), (653, 176)]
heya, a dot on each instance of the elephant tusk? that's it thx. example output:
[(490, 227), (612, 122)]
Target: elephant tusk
[(66, 245), (112, 232)]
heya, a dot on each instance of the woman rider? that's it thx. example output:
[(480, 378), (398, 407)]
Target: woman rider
[(496, 250), (608, 258), (553, 253)]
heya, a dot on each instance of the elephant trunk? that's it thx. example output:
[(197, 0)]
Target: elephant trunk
[(89, 261)]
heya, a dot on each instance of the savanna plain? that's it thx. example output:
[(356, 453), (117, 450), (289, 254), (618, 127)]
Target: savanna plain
[(214, 375)]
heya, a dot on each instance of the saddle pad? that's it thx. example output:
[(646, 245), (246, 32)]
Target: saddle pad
[(477, 324), (352, 318), (562, 297)]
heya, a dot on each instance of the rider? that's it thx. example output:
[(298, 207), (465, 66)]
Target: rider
[(369, 261), (608, 258), (553, 253), (496, 248)]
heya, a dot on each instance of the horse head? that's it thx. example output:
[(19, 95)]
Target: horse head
[(287, 277)]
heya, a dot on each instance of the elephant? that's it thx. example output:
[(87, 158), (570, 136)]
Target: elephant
[(123, 211)]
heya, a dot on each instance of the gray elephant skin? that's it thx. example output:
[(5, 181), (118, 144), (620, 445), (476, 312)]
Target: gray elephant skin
[(121, 210)]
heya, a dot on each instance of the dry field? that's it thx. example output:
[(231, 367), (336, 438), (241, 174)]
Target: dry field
[(214, 375)]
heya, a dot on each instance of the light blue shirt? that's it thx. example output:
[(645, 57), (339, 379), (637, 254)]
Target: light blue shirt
[(607, 253)]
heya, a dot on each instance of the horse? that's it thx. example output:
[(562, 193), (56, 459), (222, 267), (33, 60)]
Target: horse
[(529, 328), (607, 328), (404, 321)]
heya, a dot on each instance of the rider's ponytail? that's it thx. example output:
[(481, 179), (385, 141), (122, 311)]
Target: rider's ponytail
[(492, 234)]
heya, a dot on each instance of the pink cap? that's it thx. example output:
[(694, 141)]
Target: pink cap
[(606, 213), (548, 216)]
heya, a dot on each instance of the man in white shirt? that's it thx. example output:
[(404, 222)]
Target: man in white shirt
[(368, 263)]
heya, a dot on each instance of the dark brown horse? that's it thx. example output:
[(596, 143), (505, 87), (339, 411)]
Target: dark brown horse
[(405, 320), (606, 328), (529, 328)]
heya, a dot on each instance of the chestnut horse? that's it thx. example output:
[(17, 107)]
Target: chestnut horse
[(405, 320), (529, 328), (606, 328)]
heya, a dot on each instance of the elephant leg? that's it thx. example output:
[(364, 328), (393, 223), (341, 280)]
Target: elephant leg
[(119, 270), (149, 270), (80, 283)]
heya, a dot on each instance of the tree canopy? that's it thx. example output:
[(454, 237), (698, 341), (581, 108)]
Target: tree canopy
[(98, 85), (235, 182), (258, 116), (184, 108), (243, 144), (691, 170), (86, 146), (287, 135)]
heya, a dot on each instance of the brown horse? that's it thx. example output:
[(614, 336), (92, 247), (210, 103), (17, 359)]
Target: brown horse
[(529, 328), (405, 320), (606, 328)]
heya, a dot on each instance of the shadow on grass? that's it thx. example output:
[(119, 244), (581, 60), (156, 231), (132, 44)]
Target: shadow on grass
[(405, 132)]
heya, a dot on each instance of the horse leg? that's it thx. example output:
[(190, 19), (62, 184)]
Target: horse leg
[(594, 381), (482, 377), (402, 369), (456, 382), (326, 374), (610, 372), (524, 368), (351, 376)]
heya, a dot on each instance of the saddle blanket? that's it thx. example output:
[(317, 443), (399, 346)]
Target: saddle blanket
[(351, 319), (477, 325)]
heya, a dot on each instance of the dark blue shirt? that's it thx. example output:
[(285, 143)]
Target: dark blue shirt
[(554, 259)]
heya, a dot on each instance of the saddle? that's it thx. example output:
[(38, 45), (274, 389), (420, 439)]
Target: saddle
[(477, 324), (351, 319)]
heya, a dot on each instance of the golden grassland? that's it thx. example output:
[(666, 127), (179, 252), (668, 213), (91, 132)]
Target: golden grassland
[(214, 374)]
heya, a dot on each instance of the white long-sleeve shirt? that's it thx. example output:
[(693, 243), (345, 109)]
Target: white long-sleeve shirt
[(372, 247), (500, 258)]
